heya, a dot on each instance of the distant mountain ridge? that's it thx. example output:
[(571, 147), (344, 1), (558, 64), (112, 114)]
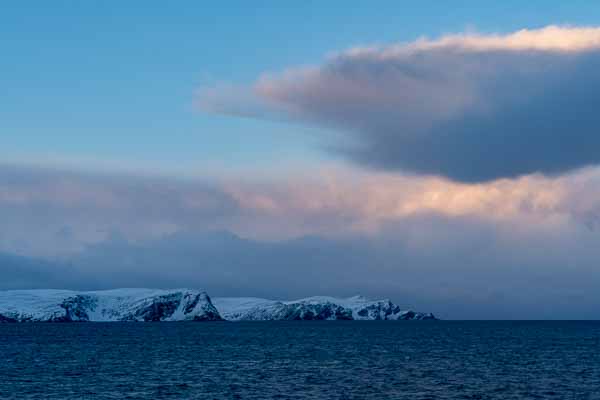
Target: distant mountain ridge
[(313, 308), (106, 305), (46, 305)]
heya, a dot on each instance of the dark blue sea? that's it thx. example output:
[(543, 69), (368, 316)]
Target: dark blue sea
[(301, 360)]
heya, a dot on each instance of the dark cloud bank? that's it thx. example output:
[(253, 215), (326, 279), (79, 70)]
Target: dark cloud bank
[(477, 274), (470, 108)]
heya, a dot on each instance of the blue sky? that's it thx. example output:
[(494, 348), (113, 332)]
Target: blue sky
[(101, 83)]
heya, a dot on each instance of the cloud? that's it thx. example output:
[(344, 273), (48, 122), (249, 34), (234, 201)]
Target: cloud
[(49, 212), (470, 107), (455, 267), (511, 248), (52, 212)]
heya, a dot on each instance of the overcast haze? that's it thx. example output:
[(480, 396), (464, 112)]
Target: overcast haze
[(449, 161)]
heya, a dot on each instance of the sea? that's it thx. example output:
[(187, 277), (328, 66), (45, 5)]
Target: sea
[(301, 360)]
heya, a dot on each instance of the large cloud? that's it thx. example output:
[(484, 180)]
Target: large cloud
[(468, 107), (512, 248), (45, 211)]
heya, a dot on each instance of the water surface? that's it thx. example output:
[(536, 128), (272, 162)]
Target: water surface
[(301, 360)]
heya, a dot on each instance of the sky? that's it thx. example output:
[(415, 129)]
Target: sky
[(444, 155)]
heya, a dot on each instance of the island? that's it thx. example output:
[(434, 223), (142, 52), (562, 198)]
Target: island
[(49, 305)]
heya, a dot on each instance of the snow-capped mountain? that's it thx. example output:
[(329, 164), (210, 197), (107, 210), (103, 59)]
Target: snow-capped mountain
[(313, 308), (106, 305), (185, 305)]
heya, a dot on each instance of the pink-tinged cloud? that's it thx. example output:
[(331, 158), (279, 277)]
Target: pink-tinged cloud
[(335, 202), (469, 107)]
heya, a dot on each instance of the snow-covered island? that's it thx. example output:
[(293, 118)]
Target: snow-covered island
[(186, 305)]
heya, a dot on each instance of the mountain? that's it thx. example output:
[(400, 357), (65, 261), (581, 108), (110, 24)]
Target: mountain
[(46, 305), (313, 308), (107, 305)]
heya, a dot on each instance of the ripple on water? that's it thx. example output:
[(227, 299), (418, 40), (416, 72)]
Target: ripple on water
[(301, 360)]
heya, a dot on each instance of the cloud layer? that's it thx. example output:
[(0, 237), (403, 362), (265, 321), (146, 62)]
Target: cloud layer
[(472, 108), (58, 211), (519, 248)]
